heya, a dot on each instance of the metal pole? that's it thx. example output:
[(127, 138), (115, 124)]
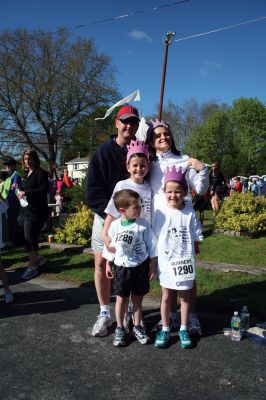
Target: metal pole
[(167, 41)]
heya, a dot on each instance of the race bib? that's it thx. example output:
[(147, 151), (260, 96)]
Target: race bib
[(182, 269), (125, 239)]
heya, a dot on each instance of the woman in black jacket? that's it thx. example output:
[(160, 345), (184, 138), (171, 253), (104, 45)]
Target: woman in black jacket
[(34, 211), (218, 187)]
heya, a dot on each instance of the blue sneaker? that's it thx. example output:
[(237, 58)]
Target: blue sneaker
[(162, 339), (184, 339)]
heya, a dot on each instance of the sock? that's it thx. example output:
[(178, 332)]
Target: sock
[(165, 329), (105, 310), (183, 327)]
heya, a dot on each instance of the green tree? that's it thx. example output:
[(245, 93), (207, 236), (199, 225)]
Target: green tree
[(248, 117), (88, 134), (212, 140), (48, 82)]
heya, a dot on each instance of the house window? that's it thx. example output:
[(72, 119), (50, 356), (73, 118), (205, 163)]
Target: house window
[(76, 166)]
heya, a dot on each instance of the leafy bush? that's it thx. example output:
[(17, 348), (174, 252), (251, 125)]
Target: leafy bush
[(75, 196), (76, 228), (243, 212)]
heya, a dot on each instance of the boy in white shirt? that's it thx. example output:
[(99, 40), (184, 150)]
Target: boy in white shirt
[(135, 250)]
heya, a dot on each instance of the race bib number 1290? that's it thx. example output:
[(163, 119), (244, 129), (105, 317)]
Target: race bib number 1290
[(183, 269)]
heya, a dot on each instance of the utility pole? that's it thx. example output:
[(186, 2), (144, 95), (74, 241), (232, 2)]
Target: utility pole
[(167, 42)]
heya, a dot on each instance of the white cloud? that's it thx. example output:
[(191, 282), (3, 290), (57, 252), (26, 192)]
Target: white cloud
[(210, 66), (139, 35)]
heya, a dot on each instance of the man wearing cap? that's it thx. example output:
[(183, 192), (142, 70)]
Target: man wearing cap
[(106, 167)]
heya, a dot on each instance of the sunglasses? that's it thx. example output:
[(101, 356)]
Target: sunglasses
[(129, 121), (159, 135)]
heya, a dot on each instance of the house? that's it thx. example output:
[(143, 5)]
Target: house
[(77, 167)]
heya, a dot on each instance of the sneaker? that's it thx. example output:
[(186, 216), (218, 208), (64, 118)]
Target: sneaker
[(162, 339), (119, 340), (184, 339), (42, 260), (103, 322), (194, 326), (126, 323), (30, 273), (140, 334), (9, 298)]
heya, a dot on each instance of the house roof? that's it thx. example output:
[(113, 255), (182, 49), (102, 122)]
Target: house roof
[(78, 160)]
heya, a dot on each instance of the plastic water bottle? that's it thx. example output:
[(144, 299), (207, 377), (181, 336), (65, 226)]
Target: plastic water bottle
[(23, 201), (235, 327), (244, 316)]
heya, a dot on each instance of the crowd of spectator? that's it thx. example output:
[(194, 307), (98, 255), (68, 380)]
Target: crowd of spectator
[(25, 197)]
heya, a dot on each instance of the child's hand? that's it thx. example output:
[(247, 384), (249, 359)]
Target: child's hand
[(109, 273)]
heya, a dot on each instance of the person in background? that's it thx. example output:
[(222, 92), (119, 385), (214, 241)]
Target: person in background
[(3, 176), (245, 185), (238, 185), (67, 181), (107, 166), (58, 203), (260, 186), (217, 183), (3, 275), (12, 181), (254, 188), (34, 189), (249, 184)]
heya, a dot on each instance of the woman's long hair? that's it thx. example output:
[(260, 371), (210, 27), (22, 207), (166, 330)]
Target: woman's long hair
[(33, 156)]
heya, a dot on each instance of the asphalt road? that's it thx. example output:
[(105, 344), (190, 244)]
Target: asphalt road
[(47, 353)]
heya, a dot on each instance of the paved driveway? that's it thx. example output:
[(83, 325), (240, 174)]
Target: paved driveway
[(47, 353)]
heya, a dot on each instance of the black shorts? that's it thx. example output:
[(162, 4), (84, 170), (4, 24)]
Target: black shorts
[(134, 280)]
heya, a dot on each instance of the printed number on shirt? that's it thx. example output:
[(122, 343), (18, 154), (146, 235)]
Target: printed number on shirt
[(124, 237), (183, 269)]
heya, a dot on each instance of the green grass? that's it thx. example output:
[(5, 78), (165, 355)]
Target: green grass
[(230, 249), (224, 291), (234, 250)]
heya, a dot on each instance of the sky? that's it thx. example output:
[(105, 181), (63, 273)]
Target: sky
[(220, 66)]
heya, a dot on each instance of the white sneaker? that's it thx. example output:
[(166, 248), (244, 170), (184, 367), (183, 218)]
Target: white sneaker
[(103, 322), (9, 298), (120, 337), (30, 273), (140, 334), (194, 326)]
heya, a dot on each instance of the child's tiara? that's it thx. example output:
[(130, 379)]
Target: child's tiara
[(176, 176), (135, 147)]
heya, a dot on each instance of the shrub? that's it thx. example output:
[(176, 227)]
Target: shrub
[(76, 228), (243, 212), (75, 196)]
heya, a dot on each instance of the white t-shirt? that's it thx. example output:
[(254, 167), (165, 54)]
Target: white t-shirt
[(144, 190), (197, 181), (176, 231), (134, 243)]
